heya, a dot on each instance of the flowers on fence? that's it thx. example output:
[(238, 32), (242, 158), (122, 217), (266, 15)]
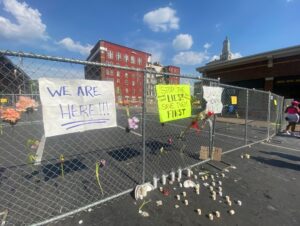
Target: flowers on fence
[(62, 161), (202, 117), (26, 104), (10, 115), (31, 159), (99, 164), (32, 144), (13, 114), (133, 122)]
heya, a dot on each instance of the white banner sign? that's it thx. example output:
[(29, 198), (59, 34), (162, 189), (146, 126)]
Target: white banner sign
[(213, 96), (71, 106)]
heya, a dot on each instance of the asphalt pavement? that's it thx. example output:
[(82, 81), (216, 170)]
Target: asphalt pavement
[(267, 184), (36, 192)]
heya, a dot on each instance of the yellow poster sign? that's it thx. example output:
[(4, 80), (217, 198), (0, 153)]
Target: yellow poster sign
[(174, 102), (3, 100), (275, 102), (233, 99)]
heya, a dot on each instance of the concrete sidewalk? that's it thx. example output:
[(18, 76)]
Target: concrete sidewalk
[(268, 184)]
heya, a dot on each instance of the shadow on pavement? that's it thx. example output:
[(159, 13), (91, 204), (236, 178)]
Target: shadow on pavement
[(54, 170), (277, 163), (124, 154), (283, 155)]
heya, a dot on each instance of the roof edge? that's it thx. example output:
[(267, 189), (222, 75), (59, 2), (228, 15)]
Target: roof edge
[(292, 50)]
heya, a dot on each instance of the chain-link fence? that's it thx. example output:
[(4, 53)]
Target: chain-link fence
[(46, 178)]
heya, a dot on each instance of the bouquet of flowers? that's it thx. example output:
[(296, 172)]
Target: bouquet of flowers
[(26, 104), (10, 115)]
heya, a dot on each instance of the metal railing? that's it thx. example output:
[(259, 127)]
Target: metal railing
[(46, 179)]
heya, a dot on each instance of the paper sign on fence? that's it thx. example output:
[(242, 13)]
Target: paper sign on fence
[(71, 106), (3, 100), (174, 102), (213, 96), (233, 99)]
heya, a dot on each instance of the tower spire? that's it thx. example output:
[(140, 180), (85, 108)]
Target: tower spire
[(226, 54)]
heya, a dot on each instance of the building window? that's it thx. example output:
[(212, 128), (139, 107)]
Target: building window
[(111, 72), (139, 61), (118, 90), (126, 58), (133, 83), (126, 90), (107, 71), (118, 73), (132, 59), (126, 75), (110, 54), (133, 92), (126, 81), (118, 80), (118, 56)]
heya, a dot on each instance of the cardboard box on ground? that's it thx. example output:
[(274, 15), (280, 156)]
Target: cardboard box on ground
[(216, 153)]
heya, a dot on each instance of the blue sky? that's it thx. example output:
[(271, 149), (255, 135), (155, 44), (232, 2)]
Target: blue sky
[(186, 33)]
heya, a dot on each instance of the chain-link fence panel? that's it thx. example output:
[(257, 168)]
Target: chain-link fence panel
[(175, 144), (258, 115), (45, 178), (230, 123), (276, 110), (42, 177)]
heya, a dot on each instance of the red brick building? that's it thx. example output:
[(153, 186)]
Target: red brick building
[(128, 84)]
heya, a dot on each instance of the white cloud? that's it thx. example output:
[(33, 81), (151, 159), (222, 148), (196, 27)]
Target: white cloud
[(162, 19), (236, 55), (206, 45), (73, 46), (183, 42), (190, 58), (218, 26), (28, 24), (214, 57)]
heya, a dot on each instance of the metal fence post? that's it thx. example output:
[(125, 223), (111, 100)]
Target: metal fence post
[(246, 117), (144, 125), (211, 139), (269, 116), (281, 114)]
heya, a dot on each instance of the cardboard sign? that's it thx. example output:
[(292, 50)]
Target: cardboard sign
[(213, 97), (233, 99), (174, 102), (216, 154), (71, 106), (204, 153)]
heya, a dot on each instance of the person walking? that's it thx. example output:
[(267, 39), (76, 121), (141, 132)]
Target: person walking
[(292, 117)]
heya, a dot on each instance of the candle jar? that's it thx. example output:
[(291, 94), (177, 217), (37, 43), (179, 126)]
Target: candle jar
[(179, 173), (172, 176), (155, 179), (188, 172), (199, 211), (164, 179), (186, 202)]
